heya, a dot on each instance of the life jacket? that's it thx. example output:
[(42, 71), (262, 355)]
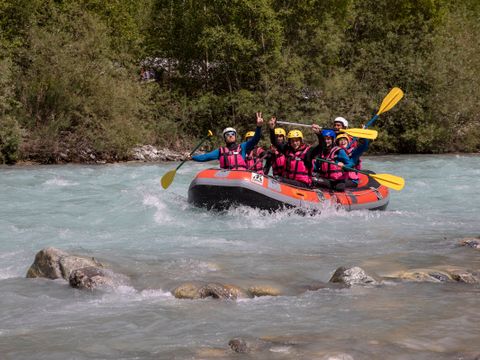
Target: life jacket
[(295, 168), (352, 175), (349, 150), (330, 171), (232, 159), (278, 162), (253, 160)]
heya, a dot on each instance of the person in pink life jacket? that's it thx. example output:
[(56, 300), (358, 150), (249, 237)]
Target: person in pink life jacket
[(329, 175), (232, 156), (254, 159), (298, 156), (275, 159)]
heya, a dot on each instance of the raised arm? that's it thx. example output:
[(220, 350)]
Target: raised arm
[(212, 155)]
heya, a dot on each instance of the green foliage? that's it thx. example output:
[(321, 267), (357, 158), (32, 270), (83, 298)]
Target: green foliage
[(70, 83), (10, 137), (69, 71)]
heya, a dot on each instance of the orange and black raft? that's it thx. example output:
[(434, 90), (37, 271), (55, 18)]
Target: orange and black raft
[(219, 189)]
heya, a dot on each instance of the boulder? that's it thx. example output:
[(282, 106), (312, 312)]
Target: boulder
[(47, 264), (189, 291), (92, 278), (215, 290), (352, 276), (52, 263), (226, 292)]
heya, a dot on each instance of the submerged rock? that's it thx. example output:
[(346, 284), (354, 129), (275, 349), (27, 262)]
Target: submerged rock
[(52, 263), (352, 276), (438, 275), (471, 242), (263, 290), (80, 272), (189, 291), (215, 290), (245, 346), (239, 345)]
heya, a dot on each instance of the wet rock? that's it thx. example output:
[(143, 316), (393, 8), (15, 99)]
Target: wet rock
[(92, 278), (239, 345), (189, 291), (46, 264), (215, 290), (471, 242), (263, 290), (245, 346), (52, 263), (70, 263), (439, 275), (423, 275), (465, 276), (352, 276), (226, 292)]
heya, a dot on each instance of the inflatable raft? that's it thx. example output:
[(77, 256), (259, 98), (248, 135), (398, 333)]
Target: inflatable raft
[(219, 189)]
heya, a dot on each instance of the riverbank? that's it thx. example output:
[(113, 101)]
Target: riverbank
[(145, 153)]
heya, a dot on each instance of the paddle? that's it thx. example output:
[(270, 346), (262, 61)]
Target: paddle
[(167, 179), (359, 133), (392, 98), (391, 181)]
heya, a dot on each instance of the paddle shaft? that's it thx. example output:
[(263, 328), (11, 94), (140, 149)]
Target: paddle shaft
[(291, 123), (372, 120), (344, 167)]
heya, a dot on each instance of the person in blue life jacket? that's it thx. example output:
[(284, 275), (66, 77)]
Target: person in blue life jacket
[(298, 156), (328, 175), (233, 155)]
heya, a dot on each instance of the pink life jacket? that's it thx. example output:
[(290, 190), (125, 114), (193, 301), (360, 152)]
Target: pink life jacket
[(330, 171), (295, 168), (352, 175), (278, 162), (232, 159), (252, 160)]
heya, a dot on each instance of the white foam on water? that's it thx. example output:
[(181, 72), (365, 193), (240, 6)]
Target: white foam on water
[(161, 215), (58, 181), (155, 293)]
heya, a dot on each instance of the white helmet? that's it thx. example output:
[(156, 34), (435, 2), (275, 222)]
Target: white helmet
[(341, 120), (229, 129)]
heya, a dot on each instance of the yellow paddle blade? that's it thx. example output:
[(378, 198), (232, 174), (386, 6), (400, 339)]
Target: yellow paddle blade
[(210, 133), (167, 179), (362, 133), (392, 98), (390, 181)]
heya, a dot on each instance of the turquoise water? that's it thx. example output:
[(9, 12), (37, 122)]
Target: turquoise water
[(121, 215)]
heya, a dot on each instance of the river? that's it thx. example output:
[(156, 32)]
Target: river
[(120, 214)]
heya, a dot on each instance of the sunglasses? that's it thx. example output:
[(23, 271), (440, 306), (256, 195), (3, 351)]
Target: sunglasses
[(230, 133)]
